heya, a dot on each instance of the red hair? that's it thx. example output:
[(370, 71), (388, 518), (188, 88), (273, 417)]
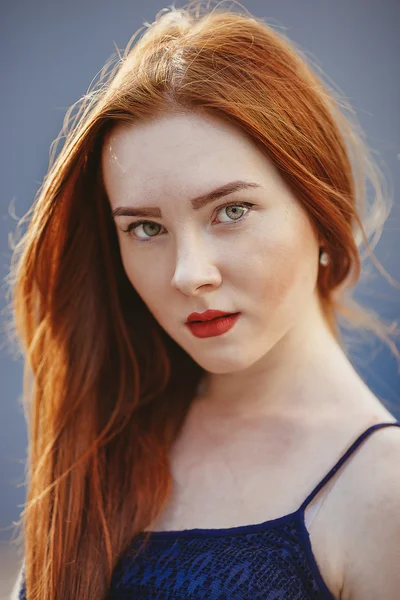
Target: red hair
[(110, 389)]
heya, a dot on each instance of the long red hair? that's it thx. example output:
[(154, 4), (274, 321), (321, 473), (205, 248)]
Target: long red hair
[(106, 390)]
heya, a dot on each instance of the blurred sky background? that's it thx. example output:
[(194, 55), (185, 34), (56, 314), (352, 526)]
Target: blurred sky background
[(51, 52)]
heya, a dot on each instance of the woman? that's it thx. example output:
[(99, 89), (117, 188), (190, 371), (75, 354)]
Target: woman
[(211, 172)]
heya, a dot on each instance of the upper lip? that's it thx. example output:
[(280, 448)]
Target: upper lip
[(207, 315)]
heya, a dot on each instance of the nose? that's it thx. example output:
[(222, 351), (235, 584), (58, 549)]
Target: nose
[(194, 271)]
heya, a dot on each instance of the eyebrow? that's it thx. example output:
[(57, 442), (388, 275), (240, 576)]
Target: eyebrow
[(197, 203)]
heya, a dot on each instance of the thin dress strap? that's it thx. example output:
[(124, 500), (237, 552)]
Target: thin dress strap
[(343, 459)]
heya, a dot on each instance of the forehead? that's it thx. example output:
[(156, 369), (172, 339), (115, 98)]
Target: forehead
[(182, 153)]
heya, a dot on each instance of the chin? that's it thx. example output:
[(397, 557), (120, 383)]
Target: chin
[(222, 361)]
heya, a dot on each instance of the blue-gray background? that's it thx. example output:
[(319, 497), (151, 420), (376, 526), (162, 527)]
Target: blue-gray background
[(50, 53)]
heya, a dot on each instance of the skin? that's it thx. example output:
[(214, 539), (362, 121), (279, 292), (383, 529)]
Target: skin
[(280, 357), (280, 400)]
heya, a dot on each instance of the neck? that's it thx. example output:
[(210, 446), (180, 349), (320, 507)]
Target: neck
[(305, 369)]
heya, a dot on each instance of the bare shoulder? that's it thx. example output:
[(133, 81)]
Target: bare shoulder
[(370, 510)]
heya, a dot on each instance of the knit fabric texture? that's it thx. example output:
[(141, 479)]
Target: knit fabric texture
[(270, 561)]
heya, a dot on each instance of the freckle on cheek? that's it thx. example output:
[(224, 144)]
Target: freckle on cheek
[(279, 280)]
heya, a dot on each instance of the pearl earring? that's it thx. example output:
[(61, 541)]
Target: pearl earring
[(323, 258)]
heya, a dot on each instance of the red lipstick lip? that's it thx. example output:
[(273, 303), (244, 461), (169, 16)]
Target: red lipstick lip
[(207, 315)]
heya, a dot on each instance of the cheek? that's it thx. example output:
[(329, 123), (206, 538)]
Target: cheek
[(280, 266), (268, 273), (142, 279)]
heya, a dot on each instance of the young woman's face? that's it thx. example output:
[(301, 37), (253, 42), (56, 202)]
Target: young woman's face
[(252, 251)]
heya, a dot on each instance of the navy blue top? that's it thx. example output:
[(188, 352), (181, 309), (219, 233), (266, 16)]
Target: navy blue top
[(264, 561)]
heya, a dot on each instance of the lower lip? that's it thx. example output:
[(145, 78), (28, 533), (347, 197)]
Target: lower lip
[(214, 327)]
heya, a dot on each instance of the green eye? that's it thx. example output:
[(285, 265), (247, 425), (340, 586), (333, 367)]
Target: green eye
[(135, 224)]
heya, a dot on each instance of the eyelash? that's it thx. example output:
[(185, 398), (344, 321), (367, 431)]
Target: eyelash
[(135, 224)]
